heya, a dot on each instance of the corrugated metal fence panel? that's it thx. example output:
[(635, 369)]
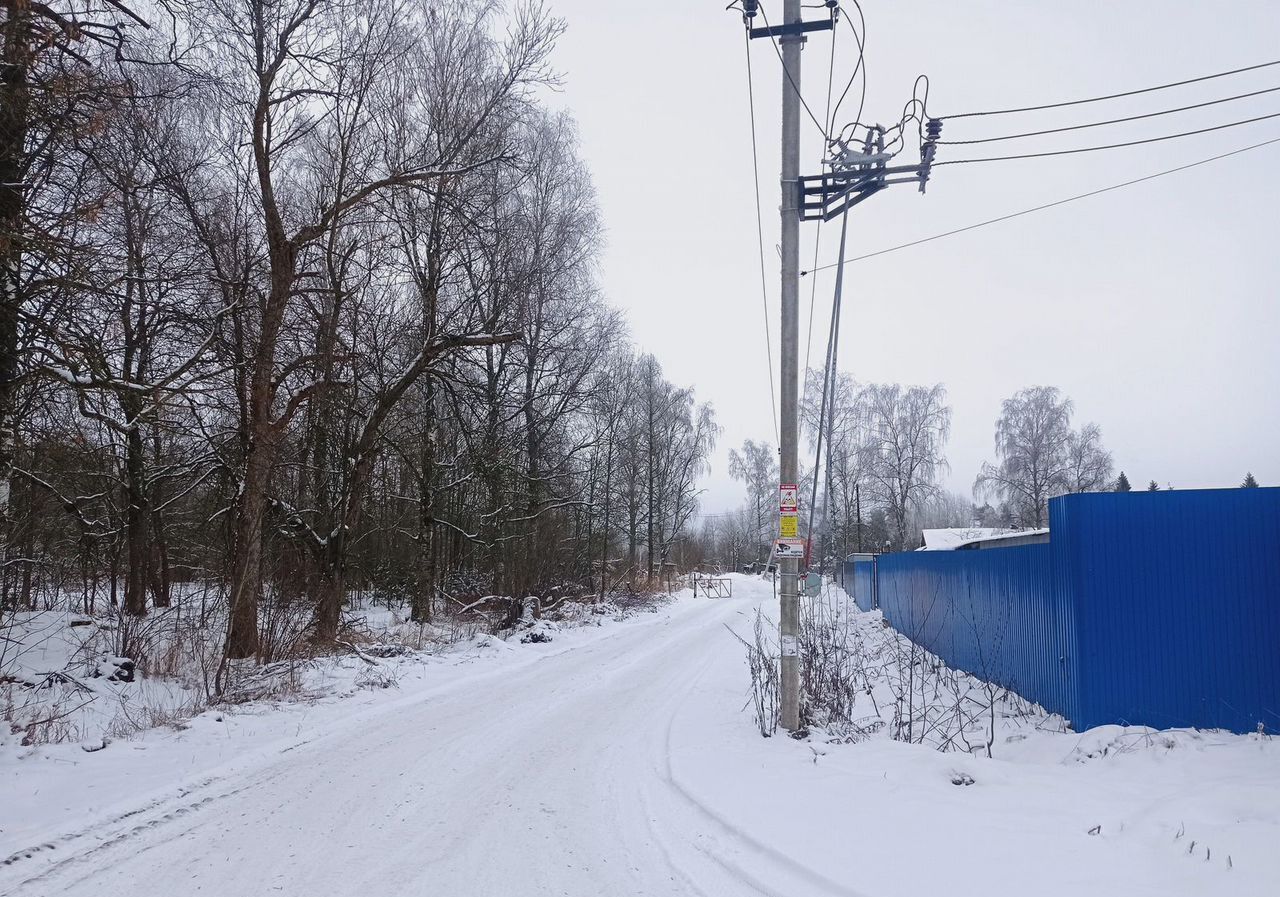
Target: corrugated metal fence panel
[(857, 578), (995, 614), (1177, 600), (864, 584)]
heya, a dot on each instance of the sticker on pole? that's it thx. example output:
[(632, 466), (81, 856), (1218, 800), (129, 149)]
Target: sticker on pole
[(788, 497), (789, 548)]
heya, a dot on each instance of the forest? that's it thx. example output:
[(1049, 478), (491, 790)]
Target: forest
[(300, 300)]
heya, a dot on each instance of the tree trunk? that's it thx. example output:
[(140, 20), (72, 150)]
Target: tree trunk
[(530, 574), (424, 595), (246, 565), (27, 599), (138, 514), (260, 454), (604, 524), (161, 573), (632, 538), (332, 586), (588, 523), (14, 99)]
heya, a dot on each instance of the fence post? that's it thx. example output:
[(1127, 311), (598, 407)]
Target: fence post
[(875, 582)]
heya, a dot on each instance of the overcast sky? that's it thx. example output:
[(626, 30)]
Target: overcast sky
[(1155, 308)]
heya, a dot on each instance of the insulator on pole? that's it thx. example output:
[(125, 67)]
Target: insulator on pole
[(750, 8), (932, 131)]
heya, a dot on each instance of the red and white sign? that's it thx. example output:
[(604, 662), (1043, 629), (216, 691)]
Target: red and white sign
[(789, 548), (788, 498)]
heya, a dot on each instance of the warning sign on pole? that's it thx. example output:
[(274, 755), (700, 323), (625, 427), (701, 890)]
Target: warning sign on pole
[(788, 498), (789, 548), (789, 526)]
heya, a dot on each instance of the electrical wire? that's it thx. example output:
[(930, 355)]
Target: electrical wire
[(831, 79), (1110, 146), (1048, 205), (829, 116), (773, 41), (828, 387), (861, 66), (1114, 121), (813, 295), (764, 279), (1113, 96), (914, 110)]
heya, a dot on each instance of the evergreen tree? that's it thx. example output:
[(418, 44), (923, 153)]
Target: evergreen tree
[(1153, 486), (1249, 481), (1122, 484)]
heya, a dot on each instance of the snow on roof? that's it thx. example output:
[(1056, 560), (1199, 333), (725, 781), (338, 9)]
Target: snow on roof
[(952, 538), (958, 537), (1011, 534)]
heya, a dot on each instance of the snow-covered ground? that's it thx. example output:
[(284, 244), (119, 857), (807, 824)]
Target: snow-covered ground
[(623, 760)]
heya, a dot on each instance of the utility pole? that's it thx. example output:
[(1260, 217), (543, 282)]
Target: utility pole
[(852, 178), (790, 385), (857, 497), (790, 34)]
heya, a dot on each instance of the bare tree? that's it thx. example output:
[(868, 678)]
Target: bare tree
[(844, 447), (50, 91), (907, 431), (1089, 465), (277, 66), (299, 323), (757, 468), (1039, 455), (137, 341)]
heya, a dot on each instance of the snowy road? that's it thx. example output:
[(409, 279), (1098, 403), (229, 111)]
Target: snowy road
[(619, 761), (550, 778)]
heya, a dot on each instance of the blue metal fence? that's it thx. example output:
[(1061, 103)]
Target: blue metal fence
[(858, 579), (1160, 609), (992, 613)]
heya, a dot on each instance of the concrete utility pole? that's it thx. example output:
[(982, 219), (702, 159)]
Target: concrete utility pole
[(853, 177), (790, 385)]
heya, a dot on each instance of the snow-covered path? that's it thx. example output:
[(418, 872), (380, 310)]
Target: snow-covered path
[(619, 761), (549, 778)]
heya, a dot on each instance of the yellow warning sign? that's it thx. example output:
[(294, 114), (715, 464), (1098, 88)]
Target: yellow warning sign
[(790, 526)]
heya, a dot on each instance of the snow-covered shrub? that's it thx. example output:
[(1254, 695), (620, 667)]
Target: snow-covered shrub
[(377, 678), (762, 662), (860, 678)]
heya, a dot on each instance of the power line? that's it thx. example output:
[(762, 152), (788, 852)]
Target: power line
[(831, 78), (828, 387), (829, 117), (764, 280), (1114, 96), (1114, 121), (861, 66), (773, 41), (813, 295), (1110, 146), (1048, 205)]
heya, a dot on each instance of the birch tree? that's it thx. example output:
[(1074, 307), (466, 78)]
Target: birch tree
[(906, 434), (1039, 456), (756, 466)]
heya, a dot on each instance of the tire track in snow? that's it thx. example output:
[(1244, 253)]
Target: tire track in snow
[(119, 835), (807, 878), (572, 734), (110, 828)]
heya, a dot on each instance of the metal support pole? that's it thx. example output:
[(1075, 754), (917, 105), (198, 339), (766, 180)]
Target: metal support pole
[(790, 381), (857, 497)]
